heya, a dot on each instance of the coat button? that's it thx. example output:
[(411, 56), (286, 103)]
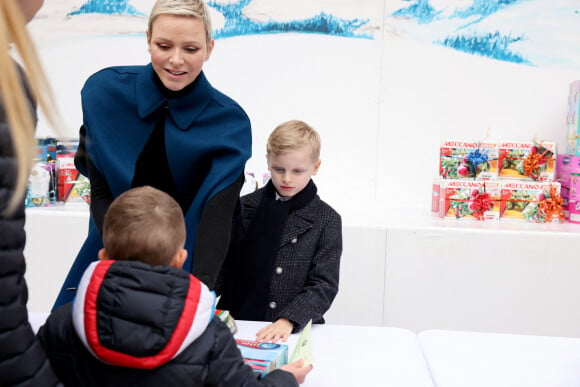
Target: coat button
[(294, 240), (278, 270), (272, 305)]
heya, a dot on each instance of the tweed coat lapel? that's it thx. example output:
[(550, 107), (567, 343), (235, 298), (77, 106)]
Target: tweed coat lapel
[(298, 221)]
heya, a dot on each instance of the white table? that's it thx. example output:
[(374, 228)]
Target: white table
[(460, 359), (358, 356)]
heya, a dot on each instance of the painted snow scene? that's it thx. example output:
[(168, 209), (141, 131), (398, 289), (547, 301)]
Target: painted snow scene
[(382, 81)]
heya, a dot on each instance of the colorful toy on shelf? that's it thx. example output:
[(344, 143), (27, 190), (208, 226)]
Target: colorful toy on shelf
[(538, 202), (470, 199), (572, 119), (534, 160), (468, 160), (73, 188)]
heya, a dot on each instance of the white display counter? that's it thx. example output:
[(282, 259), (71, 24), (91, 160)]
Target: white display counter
[(401, 268), (347, 355), (459, 359)]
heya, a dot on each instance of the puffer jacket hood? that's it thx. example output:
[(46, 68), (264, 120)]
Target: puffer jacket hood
[(130, 314)]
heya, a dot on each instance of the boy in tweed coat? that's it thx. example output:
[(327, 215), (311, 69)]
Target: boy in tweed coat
[(284, 257)]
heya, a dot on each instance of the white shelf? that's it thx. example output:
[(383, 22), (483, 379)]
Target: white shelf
[(404, 268)]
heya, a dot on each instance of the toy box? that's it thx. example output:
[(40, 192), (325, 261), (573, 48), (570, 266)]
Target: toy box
[(227, 318), (537, 202), (573, 146), (527, 160), (263, 357), (573, 206), (572, 119), (468, 160), (564, 164), (470, 199), (72, 186), (42, 182)]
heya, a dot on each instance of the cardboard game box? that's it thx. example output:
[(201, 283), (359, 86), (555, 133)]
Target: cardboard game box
[(468, 160), (263, 357), (514, 156), (458, 199), (521, 200)]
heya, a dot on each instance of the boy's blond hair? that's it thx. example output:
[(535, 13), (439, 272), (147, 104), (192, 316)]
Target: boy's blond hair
[(291, 135), (144, 224), (192, 8)]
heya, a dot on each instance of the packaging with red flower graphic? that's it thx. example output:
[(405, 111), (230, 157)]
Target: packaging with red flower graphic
[(468, 160), (470, 199), (532, 201), (534, 160)]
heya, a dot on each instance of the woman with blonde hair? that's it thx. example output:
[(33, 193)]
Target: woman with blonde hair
[(22, 359)]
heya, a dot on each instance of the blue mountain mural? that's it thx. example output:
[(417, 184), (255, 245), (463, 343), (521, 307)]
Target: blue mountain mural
[(323, 23), (111, 7), (507, 30), (237, 24), (492, 44)]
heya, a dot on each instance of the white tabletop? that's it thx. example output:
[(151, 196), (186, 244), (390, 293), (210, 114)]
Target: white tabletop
[(460, 359), (358, 356)]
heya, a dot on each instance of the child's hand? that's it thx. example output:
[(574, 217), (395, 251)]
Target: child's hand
[(296, 368), (280, 329)]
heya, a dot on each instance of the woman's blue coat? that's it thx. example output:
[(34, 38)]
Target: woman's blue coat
[(120, 110)]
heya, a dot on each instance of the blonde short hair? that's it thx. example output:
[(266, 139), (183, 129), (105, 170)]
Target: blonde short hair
[(291, 135), (144, 224), (192, 8)]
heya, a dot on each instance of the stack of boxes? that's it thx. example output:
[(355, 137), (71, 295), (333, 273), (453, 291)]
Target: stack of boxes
[(505, 180), (569, 163)]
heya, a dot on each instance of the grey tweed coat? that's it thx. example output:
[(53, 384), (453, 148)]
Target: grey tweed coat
[(306, 271)]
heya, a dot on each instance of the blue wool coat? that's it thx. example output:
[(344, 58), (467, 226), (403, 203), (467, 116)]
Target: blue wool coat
[(203, 126)]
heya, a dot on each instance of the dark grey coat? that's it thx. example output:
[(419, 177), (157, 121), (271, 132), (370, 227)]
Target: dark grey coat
[(306, 272)]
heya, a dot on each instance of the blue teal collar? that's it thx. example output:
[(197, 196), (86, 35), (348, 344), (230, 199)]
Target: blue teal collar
[(184, 110)]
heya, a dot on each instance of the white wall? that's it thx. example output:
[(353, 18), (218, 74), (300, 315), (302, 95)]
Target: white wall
[(382, 105)]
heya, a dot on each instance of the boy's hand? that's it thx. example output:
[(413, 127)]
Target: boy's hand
[(280, 329), (296, 368)]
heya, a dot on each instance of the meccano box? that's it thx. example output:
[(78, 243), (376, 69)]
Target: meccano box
[(573, 117), (263, 357), (521, 200), (527, 160), (468, 160), (470, 199)]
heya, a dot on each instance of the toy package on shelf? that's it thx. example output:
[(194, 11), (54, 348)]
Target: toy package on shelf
[(468, 160), (42, 181), (73, 188), (574, 190), (532, 201), (534, 160), (470, 199), (263, 357), (563, 173), (573, 120)]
